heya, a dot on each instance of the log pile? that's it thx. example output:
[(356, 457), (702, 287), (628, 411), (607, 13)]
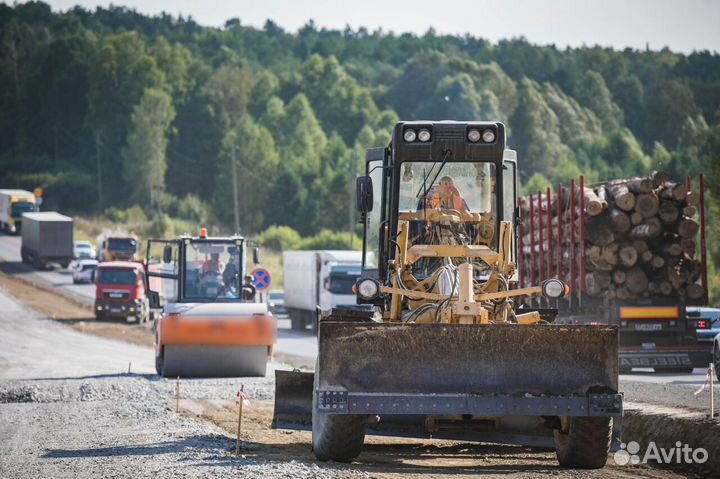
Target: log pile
[(640, 238)]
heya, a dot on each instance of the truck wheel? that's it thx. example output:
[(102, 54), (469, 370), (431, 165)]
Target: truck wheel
[(296, 322), (337, 437), (716, 362), (99, 317), (585, 444)]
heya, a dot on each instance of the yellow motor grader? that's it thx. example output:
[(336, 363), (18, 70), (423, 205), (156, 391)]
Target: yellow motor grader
[(439, 349)]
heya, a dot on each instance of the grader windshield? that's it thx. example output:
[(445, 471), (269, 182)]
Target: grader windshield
[(463, 187)]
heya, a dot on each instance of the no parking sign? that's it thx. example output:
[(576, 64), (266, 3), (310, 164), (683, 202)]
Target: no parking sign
[(260, 279)]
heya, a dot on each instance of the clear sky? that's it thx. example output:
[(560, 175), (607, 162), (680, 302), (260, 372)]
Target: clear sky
[(682, 25)]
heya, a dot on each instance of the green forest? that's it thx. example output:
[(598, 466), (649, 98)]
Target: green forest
[(120, 114)]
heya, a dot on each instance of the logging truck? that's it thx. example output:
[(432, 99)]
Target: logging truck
[(634, 254)]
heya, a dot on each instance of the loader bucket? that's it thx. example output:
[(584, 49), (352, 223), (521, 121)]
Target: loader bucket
[(495, 370)]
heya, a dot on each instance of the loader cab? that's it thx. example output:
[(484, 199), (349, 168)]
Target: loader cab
[(429, 172), (196, 270)]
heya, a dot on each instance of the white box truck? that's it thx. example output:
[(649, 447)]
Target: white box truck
[(13, 203), (321, 279), (47, 238)]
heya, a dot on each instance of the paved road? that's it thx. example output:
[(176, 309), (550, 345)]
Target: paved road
[(11, 263), (31, 348), (300, 347)]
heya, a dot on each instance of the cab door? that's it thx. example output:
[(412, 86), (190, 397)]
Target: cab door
[(163, 274)]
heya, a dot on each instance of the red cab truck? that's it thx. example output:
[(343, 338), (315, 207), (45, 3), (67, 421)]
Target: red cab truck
[(120, 291)]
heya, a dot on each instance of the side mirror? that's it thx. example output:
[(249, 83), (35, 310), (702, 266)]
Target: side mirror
[(167, 254), (154, 299), (257, 257), (364, 190)]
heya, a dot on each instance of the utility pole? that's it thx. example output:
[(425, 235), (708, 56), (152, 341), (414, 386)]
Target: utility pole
[(235, 191), (99, 169), (159, 175), (351, 216)]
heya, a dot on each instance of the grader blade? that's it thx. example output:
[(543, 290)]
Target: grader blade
[(500, 359), (293, 400)]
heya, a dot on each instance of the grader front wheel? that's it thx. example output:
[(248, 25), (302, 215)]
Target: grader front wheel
[(337, 437), (584, 442)]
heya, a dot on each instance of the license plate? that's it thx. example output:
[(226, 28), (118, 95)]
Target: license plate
[(648, 327), (115, 310), (115, 295)]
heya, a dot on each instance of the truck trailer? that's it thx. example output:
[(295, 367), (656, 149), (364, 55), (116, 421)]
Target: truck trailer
[(633, 252), (318, 279), (13, 203), (47, 238)]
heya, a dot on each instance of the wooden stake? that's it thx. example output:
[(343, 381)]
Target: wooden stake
[(129, 367), (712, 390), (177, 394), (237, 443)]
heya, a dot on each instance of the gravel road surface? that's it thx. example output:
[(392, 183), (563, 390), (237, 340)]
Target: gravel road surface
[(68, 408)]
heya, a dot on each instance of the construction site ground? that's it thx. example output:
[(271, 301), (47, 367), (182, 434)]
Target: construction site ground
[(69, 408)]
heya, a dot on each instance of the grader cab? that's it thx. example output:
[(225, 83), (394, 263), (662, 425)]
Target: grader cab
[(444, 353)]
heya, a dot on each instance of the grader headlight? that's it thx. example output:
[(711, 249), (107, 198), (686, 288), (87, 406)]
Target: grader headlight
[(554, 288), (488, 135), (473, 135), (409, 135), (367, 289), (424, 135)]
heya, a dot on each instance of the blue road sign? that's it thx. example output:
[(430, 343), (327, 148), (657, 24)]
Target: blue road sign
[(260, 279)]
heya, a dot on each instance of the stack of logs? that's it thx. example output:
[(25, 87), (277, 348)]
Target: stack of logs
[(640, 238)]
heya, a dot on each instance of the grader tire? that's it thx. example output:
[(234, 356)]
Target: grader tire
[(337, 437), (586, 443)]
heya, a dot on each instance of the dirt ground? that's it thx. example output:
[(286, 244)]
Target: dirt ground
[(394, 458), (80, 318)]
